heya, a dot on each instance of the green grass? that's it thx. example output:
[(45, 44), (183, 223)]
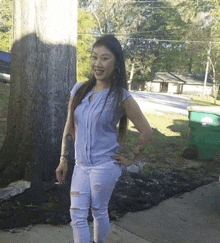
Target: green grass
[(163, 151), (205, 100), (169, 137)]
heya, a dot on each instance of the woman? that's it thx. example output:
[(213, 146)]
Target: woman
[(95, 108)]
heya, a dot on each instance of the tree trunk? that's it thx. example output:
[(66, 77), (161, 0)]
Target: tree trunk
[(43, 72), (207, 68), (215, 85), (131, 76)]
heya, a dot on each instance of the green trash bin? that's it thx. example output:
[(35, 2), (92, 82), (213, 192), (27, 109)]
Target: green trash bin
[(204, 130)]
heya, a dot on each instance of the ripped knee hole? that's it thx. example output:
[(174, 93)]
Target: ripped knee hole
[(73, 193), (74, 209)]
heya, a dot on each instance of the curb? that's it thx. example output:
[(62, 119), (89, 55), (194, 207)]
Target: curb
[(120, 235)]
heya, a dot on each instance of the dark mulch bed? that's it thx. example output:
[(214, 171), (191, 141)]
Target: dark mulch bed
[(49, 203)]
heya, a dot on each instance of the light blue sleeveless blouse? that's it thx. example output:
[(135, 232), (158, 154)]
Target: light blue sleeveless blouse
[(96, 135)]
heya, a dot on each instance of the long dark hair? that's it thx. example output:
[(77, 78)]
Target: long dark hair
[(119, 82)]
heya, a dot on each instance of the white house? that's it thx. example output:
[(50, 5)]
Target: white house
[(175, 83)]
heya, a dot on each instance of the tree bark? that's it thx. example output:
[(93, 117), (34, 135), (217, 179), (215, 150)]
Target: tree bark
[(131, 76), (43, 72), (207, 68)]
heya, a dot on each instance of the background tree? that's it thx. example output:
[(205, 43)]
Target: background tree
[(215, 44), (113, 17), (128, 21), (202, 18), (84, 41), (6, 12), (155, 26), (43, 72), (175, 32)]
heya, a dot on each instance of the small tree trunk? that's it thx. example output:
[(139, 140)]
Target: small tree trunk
[(215, 85), (42, 74), (207, 68), (131, 76)]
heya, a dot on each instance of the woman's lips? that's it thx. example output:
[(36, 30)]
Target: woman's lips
[(99, 72)]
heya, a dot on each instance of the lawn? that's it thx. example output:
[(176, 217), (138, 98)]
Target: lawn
[(205, 100), (163, 152)]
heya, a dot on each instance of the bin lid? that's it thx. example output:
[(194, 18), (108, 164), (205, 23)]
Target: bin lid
[(208, 109)]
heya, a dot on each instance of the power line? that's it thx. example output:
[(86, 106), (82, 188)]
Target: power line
[(144, 1), (150, 32), (160, 7), (153, 33), (181, 41), (136, 2), (159, 40), (131, 2)]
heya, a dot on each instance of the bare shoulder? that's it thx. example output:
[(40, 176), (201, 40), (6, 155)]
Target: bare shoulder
[(130, 107), (134, 113)]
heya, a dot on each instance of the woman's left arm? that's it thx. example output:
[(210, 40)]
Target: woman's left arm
[(134, 113)]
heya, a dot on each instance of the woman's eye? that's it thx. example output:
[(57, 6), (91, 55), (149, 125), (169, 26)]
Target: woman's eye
[(104, 58), (94, 57)]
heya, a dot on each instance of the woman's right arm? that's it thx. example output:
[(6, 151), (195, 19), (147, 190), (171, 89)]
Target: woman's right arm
[(69, 132), (68, 136)]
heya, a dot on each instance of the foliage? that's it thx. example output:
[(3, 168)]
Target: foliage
[(85, 24), (127, 20), (6, 13), (202, 18), (113, 16), (143, 66), (84, 3), (157, 24), (170, 35)]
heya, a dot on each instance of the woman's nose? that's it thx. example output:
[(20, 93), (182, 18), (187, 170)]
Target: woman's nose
[(98, 62)]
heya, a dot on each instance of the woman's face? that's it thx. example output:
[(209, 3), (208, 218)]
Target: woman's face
[(103, 64)]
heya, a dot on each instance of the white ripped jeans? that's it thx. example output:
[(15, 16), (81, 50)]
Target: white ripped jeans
[(92, 186)]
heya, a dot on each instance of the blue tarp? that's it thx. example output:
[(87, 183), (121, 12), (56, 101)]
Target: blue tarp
[(5, 56)]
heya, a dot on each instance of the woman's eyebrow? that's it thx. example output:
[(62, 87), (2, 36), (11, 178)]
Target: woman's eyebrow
[(106, 55)]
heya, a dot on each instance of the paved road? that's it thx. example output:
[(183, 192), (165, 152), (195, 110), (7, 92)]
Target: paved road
[(161, 102)]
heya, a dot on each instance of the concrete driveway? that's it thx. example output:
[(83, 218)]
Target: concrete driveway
[(162, 102), (190, 218)]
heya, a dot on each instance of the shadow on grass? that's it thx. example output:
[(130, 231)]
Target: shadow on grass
[(164, 153), (180, 126)]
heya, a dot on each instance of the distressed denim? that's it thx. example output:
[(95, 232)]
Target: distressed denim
[(92, 186)]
